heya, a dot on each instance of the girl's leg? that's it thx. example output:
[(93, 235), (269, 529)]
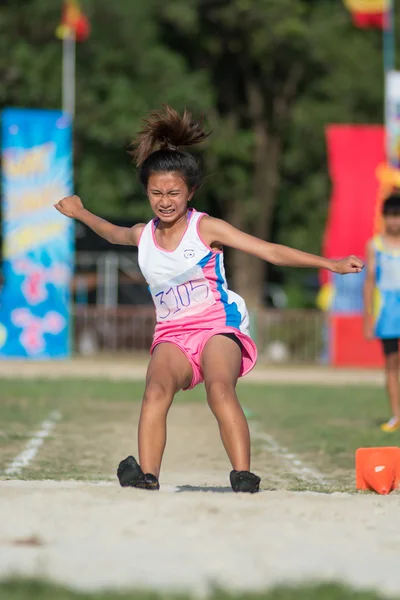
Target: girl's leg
[(220, 362), (392, 382), (169, 371), (391, 352)]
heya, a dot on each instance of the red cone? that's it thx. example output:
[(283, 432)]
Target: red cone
[(378, 469)]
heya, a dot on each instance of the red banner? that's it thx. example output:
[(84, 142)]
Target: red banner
[(348, 346), (355, 153), (360, 181)]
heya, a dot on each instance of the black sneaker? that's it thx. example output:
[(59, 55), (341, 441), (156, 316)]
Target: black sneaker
[(244, 481), (131, 475)]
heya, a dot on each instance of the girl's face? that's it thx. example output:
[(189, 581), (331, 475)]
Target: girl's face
[(392, 224), (168, 195)]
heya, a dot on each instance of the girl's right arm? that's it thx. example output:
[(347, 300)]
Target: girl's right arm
[(369, 288), (72, 207)]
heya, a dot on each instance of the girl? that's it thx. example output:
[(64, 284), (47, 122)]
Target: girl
[(382, 318), (202, 331)]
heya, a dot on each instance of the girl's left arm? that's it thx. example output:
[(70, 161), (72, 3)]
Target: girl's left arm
[(216, 231)]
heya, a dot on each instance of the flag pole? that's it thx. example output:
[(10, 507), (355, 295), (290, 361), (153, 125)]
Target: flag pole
[(389, 65), (68, 73), (68, 108)]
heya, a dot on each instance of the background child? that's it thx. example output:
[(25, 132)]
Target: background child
[(382, 300)]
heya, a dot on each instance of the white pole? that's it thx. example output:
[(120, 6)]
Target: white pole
[(68, 107), (391, 78), (68, 74)]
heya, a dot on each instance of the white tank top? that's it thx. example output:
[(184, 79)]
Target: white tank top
[(189, 283)]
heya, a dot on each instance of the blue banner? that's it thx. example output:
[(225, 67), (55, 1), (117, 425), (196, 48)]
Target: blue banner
[(348, 294), (38, 242)]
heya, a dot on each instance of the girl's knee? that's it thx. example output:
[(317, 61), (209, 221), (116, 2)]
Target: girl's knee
[(392, 362), (158, 392), (219, 391)]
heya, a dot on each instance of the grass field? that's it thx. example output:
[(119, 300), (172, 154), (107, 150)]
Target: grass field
[(34, 590), (92, 535), (322, 425)]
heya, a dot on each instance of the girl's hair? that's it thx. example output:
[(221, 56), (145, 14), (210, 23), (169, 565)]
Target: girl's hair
[(156, 148), (391, 205)]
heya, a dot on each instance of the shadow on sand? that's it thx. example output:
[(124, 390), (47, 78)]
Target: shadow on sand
[(204, 488)]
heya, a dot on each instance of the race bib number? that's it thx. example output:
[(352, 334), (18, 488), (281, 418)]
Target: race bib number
[(183, 296)]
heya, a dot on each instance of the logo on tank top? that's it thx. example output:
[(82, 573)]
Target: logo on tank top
[(188, 253)]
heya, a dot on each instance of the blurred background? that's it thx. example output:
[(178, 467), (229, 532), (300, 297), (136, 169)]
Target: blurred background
[(270, 77)]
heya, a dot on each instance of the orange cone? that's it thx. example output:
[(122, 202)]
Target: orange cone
[(378, 469)]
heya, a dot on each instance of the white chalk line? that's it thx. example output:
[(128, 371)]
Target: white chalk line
[(296, 466), (29, 452)]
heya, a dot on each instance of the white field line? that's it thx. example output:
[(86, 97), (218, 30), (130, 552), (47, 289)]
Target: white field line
[(296, 466), (29, 452)]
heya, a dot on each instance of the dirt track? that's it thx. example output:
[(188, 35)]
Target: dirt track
[(133, 368)]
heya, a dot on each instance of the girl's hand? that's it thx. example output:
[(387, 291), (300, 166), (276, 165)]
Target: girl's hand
[(70, 206), (369, 327), (351, 264)]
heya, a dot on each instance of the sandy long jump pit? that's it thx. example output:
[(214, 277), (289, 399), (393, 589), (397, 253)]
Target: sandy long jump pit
[(92, 536)]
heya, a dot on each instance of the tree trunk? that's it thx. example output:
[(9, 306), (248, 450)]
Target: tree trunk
[(249, 272)]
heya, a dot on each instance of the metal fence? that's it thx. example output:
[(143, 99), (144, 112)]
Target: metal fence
[(294, 336), (99, 329), (291, 336)]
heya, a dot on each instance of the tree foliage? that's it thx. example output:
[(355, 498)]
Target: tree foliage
[(269, 74)]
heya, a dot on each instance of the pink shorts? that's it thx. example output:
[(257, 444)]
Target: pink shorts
[(192, 345)]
